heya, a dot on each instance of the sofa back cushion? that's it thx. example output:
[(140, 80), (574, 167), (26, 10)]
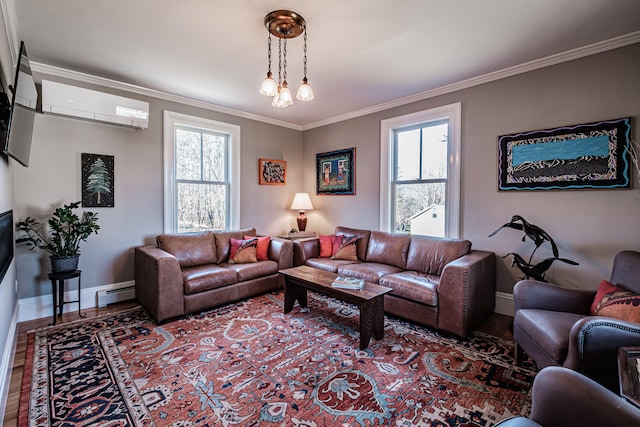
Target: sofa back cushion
[(223, 244), (363, 239), (190, 249), (388, 248), (430, 255)]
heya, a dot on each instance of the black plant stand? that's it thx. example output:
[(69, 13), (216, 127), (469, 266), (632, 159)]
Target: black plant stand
[(57, 284)]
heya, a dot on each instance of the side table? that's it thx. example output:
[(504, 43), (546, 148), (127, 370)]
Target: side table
[(57, 285), (629, 373)]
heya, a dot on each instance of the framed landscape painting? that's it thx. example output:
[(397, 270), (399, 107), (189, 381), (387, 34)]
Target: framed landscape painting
[(592, 155), (336, 172), (272, 172)]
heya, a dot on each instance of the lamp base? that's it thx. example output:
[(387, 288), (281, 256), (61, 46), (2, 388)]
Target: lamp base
[(302, 221)]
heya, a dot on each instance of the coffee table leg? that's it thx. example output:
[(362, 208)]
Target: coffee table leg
[(293, 292), (378, 317), (367, 310)]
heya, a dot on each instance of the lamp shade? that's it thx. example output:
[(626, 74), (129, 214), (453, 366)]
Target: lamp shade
[(301, 202)]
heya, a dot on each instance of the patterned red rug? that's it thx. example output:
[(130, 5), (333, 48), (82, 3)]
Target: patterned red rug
[(248, 364)]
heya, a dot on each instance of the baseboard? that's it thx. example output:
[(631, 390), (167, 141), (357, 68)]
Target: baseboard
[(6, 364), (42, 306), (504, 304)]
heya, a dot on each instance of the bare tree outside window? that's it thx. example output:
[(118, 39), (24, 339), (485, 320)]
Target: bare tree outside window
[(420, 183), (201, 177)]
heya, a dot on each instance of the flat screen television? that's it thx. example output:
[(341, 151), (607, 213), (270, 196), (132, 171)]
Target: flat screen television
[(6, 241), (23, 111)]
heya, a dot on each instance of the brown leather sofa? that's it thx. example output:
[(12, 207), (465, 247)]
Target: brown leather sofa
[(439, 283), (190, 272), (564, 398), (553, 325)]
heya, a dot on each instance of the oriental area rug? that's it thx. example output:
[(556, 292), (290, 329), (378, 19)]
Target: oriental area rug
[(248, 364)]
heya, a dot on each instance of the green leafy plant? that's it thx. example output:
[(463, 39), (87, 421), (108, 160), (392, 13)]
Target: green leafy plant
[(67, 231)]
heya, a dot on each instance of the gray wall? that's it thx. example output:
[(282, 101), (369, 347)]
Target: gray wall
[(590, 226), (54, 175)]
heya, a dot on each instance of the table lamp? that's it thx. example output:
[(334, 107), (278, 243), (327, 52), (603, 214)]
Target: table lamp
[(301, 202)]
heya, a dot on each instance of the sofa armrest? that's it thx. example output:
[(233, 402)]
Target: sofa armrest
[(593, 347), (159, 284), (467, 292), (305, 249), (545, 296), (281, 251)]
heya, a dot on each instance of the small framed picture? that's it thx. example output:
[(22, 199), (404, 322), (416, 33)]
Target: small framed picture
[(272, 172), (336, 172), (97, 181)]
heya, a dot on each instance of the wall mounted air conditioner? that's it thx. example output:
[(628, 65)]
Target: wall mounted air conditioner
[(65, 100)]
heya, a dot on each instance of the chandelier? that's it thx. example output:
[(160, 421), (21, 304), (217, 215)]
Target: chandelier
[(285, 24)]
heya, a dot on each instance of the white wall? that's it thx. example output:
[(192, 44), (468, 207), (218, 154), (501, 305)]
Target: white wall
[(590, 226)]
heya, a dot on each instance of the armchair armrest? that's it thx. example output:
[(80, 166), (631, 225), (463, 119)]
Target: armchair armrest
[(467, 292), (545, 296), (281, 251), (562, 397), (159, 283), (593, 347), (305, 249)]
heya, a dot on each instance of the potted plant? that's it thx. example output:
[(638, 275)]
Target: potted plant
[(66, 231)]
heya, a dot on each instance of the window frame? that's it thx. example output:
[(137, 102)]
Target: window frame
[(452, 113), (172, 120)]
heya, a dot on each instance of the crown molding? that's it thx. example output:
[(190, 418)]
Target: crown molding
[(614, 43), (140, 90), (559, 58), (10, 23)]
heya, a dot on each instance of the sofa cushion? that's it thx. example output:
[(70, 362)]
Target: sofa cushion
[(327, 264), (431, 254), (388, 248), (254, 270), (414, 286), (206, 277), (363, 239), (190, 249), (369, 271), (223, 245), (243, 251)]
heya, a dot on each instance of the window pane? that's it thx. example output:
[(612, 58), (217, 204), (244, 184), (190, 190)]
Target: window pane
[(420, 209), (201, 207), (188, 155), (408, 152), (434, 151), (213, 157)]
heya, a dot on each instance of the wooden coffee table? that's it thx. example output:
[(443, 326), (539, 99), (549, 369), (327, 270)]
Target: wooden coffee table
[(370, 300)]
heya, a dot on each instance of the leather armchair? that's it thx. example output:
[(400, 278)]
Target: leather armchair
[(553, 325), (565, 398)]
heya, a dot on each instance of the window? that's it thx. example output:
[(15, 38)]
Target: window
[(201, 160), (420, 173)]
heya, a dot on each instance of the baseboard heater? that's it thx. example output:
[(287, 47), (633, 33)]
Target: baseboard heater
[(116, 295)]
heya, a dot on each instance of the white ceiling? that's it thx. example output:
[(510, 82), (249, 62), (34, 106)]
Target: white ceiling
[(361, 53)]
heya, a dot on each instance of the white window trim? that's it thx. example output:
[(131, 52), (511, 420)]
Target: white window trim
[(170, 121), (451, 112)]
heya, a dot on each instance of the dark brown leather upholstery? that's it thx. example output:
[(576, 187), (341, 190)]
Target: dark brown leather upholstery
[(565, 398), (440, 283), (553, 325), (188, 272)]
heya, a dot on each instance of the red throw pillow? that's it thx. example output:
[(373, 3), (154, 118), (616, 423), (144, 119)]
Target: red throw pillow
[(619, 303), (337, 241), (243, 251), (326, 246), (263, 247)]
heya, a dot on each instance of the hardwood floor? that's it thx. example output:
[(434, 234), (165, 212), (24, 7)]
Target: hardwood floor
[(497, 324)]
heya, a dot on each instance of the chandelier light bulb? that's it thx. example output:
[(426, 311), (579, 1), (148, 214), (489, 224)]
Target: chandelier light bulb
[(269, 86), (285, 94), (304, 91)]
